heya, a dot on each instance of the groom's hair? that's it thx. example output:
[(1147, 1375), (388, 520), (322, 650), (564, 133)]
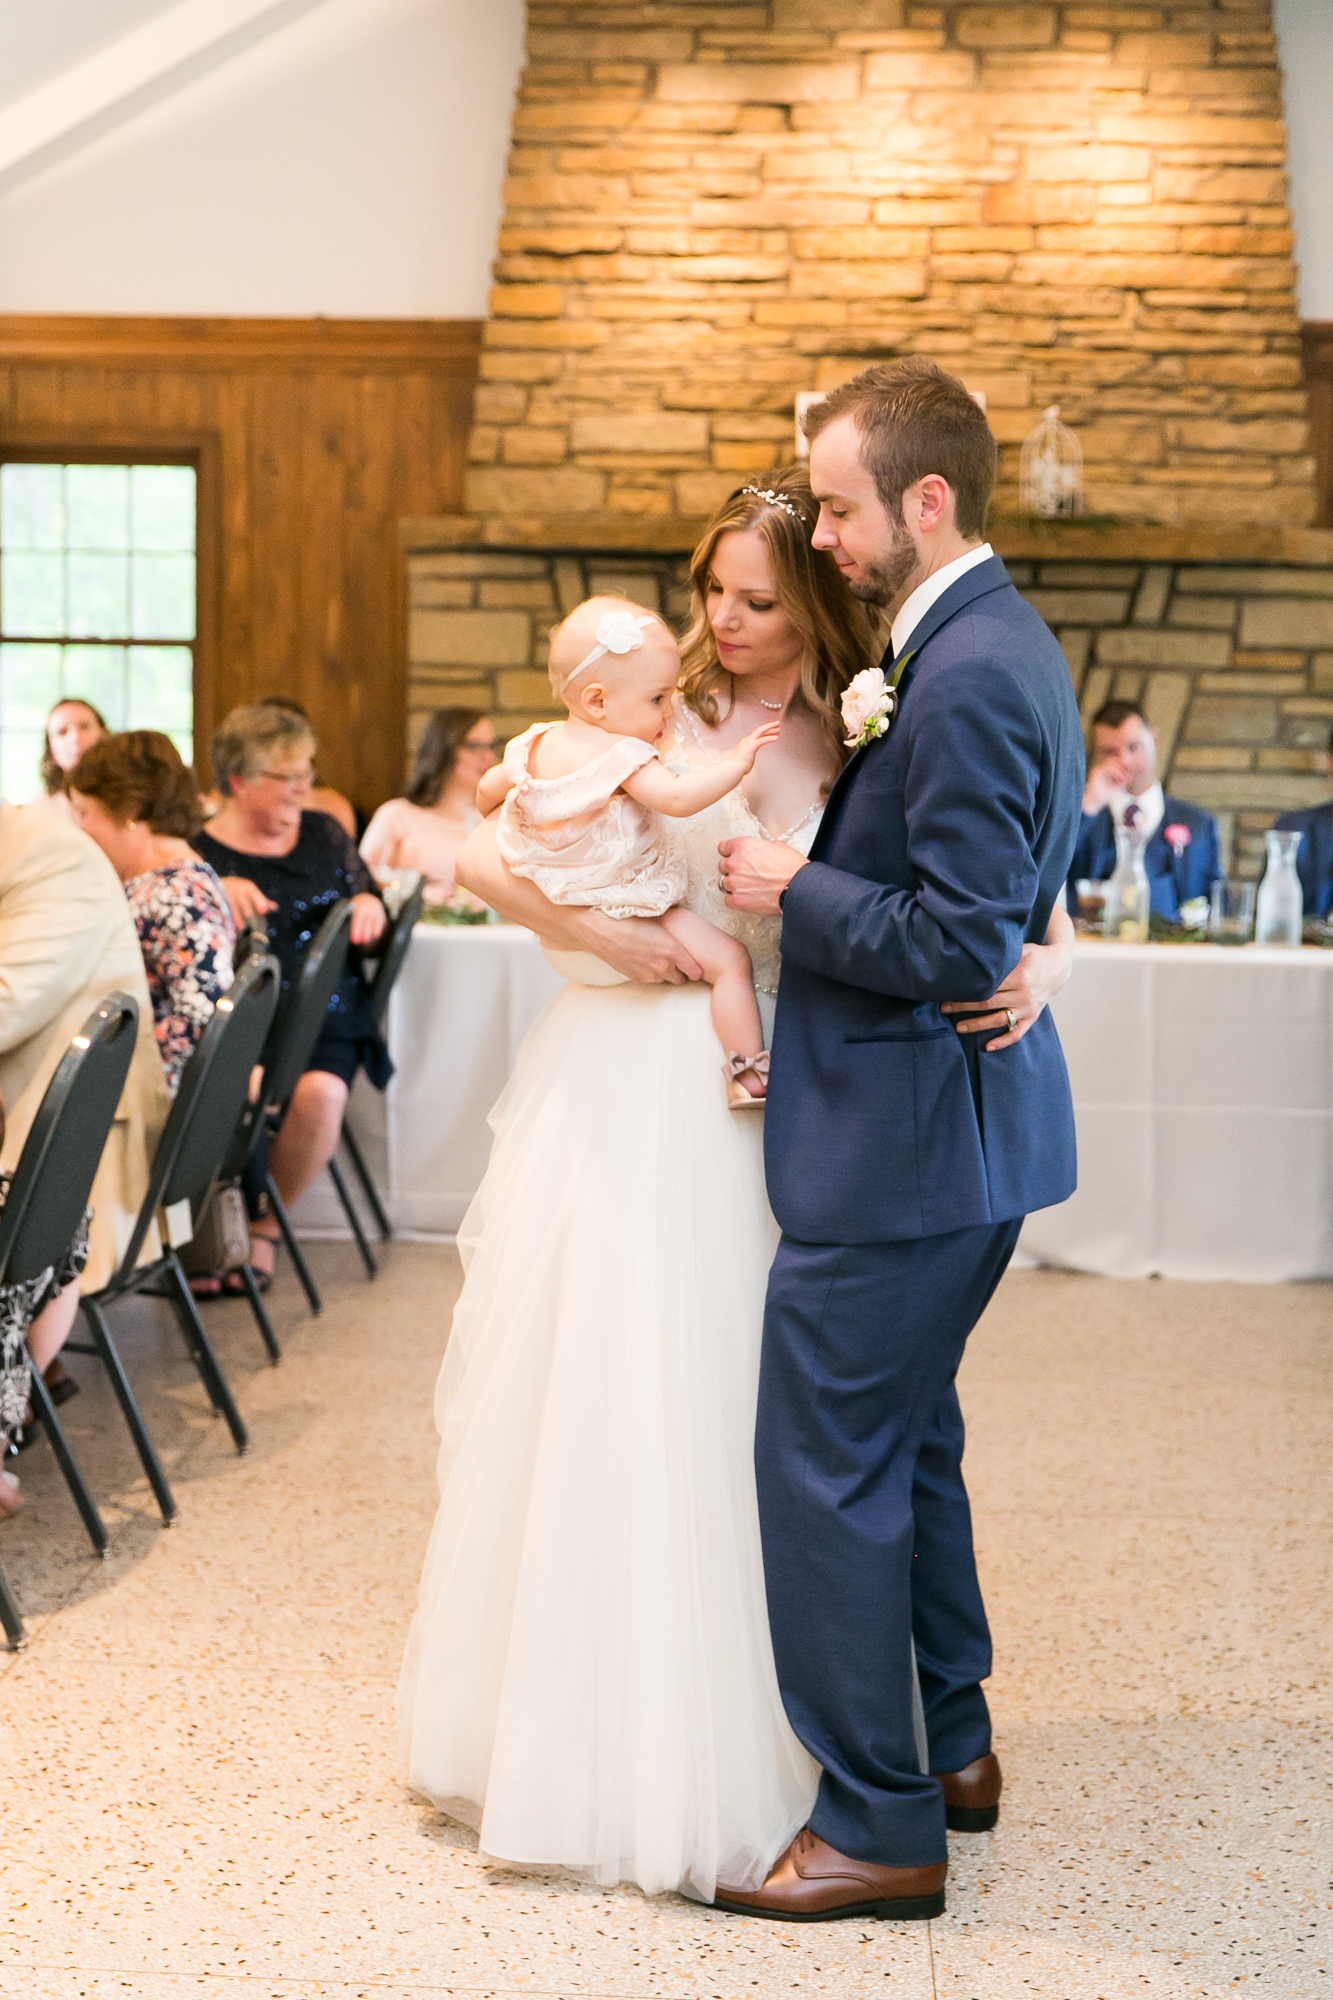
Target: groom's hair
[(915, 419)]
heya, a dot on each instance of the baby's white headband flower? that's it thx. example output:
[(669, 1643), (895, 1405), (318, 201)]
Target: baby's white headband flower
[(618, 632)]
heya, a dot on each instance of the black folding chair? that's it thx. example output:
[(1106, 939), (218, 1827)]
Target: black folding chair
[(291, 1044), (49, 1193), (381, 986), (212, 1099)]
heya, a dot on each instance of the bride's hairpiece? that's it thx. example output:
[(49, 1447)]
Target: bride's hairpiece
[(617, 632), (774, 500)]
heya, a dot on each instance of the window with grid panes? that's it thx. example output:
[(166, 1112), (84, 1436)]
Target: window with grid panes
[(97, 603)]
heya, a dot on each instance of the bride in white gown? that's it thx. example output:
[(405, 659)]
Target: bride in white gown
[(589, 1678)]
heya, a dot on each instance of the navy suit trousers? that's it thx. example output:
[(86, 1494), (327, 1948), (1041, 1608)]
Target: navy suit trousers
[(866, 1526)]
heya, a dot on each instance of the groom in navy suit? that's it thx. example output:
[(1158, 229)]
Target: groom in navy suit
[(901, 1157)]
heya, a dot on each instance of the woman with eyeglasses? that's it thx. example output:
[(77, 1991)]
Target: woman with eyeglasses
[(287, 865), (425, 830)]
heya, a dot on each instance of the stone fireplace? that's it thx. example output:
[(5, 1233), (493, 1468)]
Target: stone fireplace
[(712, 208)]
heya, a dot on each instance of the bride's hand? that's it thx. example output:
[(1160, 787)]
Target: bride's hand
[(1041, 971), (636, 946)]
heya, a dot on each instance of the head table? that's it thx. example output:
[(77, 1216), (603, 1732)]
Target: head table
[(1202, 1078)]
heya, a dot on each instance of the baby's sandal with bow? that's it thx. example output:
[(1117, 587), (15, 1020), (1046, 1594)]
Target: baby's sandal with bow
[(738, 1097)]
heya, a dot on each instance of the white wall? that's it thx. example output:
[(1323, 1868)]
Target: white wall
[(349, 164), (1305, 39)]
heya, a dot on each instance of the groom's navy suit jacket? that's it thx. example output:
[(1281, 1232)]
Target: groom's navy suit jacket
[(942, 849)]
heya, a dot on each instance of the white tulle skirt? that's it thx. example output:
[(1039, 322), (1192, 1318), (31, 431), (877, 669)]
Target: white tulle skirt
[(589, 1678)]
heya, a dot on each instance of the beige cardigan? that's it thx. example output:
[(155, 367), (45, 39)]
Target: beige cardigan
[(66, 939)]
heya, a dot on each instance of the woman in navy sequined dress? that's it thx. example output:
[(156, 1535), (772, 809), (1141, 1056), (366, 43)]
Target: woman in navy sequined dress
[(290, 866)]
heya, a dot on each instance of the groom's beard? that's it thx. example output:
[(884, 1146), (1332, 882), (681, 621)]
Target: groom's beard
[(883, 582)]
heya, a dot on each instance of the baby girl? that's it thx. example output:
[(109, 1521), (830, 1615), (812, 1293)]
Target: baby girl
[(579, 799)]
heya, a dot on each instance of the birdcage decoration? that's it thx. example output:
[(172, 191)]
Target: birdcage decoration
[(1050, 471)]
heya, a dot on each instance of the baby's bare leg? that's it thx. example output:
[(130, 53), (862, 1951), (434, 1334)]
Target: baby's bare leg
[(726, 967)]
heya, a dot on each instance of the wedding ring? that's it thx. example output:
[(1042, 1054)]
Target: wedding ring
[(722, 882), (1011, 1018)]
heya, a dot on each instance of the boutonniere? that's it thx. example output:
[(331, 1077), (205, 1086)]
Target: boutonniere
[(869, 703), (1177, 839)]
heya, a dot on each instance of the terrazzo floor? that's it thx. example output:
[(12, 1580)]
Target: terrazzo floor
[(201, 1794)]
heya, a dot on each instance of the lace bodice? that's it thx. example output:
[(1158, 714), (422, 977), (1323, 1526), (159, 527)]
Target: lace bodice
[(695, 842)]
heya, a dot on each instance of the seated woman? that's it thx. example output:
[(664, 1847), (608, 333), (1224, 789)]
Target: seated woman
[(283, 863), (137, 800), (70, 727), (425, 830), (67, 940), (323, 798)]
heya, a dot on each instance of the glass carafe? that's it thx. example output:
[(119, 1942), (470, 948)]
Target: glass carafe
[(1125, 914), (1280, 906)]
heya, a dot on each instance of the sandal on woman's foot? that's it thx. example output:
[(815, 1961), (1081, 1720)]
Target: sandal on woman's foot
[(234, 1284), (738, 1097), (206, 1288), (60, 1383)]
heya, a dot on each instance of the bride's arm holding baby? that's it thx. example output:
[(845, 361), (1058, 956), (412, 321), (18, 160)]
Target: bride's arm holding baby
[(636, 946)]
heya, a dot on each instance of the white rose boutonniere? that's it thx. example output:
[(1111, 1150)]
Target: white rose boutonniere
[(868, 704)]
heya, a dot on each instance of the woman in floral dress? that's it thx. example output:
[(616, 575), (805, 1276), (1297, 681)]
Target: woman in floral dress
[(137, 800)]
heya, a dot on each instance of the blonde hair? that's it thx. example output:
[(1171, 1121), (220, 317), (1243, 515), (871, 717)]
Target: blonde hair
[(836, 634), (562, 674)]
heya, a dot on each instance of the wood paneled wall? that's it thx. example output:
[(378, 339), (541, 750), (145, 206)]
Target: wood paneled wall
[(313, 438)]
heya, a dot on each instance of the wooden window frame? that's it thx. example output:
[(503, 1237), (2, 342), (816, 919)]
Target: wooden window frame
[(200, 449)]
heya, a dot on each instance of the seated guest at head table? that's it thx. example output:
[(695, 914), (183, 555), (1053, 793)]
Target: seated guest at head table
[(70, 727), (1314, 858), (425, 830), (1123, 789), (289, 865), (66, 941), (322, 799), (133, 795)]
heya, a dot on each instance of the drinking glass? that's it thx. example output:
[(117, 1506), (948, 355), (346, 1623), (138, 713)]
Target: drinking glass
[(1231, 912)]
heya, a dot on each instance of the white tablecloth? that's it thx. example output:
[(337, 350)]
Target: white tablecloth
[(464, 1000), (1202, 1081), (1203, 1096)]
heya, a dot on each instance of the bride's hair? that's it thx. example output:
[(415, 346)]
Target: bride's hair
[(837, 637)]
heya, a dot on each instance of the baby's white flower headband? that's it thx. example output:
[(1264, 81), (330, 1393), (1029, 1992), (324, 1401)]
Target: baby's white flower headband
[(617, 632)]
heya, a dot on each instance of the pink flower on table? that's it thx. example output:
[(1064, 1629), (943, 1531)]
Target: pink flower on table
[(1177, 838)]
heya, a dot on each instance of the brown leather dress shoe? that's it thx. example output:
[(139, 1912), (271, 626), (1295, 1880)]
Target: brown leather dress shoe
[(972, 1795), (812, 1883)]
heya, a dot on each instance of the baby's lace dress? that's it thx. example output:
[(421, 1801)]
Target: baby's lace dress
[(582, 840)]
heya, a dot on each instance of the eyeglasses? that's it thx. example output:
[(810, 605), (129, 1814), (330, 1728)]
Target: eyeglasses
[(291, 781)]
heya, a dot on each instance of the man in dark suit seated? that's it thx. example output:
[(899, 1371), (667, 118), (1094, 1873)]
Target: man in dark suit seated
[(1314, 860), (1123, 789)]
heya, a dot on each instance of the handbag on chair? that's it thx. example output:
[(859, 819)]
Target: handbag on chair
[(221, 1240)]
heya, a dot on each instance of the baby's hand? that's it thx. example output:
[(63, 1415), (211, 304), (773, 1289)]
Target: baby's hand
[(759, 739)]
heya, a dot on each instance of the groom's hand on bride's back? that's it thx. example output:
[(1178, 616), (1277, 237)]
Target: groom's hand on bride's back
[(639, 948)]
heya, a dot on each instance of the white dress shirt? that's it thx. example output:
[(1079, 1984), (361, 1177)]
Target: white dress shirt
[(925, 594), (1151, 809)]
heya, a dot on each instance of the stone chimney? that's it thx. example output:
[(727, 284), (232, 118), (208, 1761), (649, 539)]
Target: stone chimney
[(1066, 203)]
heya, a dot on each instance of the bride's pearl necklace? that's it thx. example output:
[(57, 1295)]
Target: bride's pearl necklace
[(769, 704)]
